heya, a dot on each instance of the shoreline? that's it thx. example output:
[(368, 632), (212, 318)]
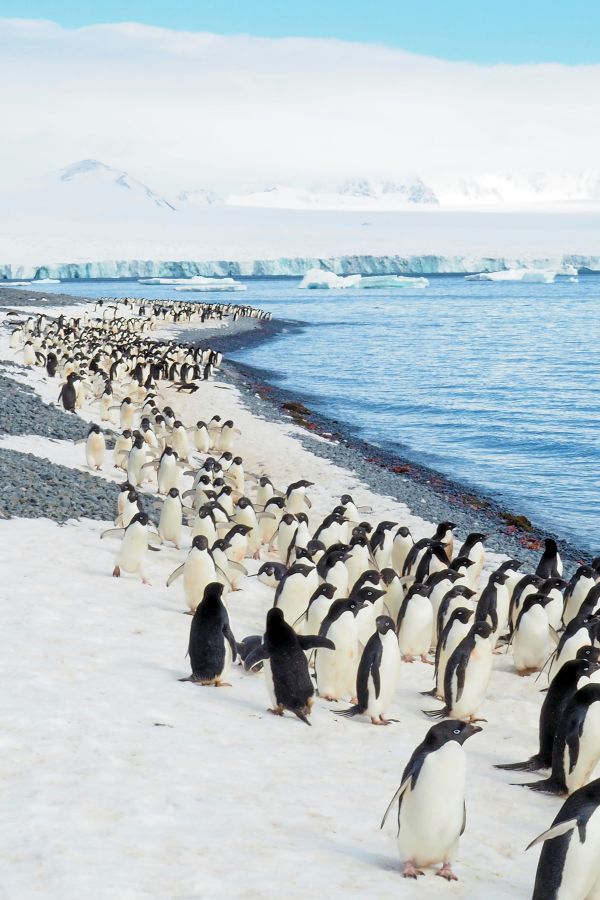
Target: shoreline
[(426, 492)]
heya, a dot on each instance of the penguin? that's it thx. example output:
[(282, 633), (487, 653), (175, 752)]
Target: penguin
[(378, 672), (473, 549), (403, 541), (198, 571), (493, 604), (228, 435), (553, 589), (372, 607), (550, 564), (137, 461), (456, 628), (332, 569), (171, 518), (212, 647), (169, 472), (95, 448), (123, 444), (576, 748), (414, 623), (271, 573), (382, 541), (456, 598), (336, 672), (285, 535), (467, 675), (394, 592), (431, 800), (531, 639), (318, 607), (201, 437), (572, 676), (580, 632), (332, 530), (205, 523), (246, 646), (569, 864), (295, 497), (68, 393), (286, 668), (443, 535), (132, 552), (237, 538), (577, 590)]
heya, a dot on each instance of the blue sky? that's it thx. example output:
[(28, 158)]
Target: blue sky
[(480, 31)]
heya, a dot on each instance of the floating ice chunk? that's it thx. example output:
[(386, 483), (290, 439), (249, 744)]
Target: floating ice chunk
[(197, 283), (542, 276), (322, 280), (391, 281)]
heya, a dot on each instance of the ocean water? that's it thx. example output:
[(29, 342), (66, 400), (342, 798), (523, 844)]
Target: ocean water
[(496, 385)]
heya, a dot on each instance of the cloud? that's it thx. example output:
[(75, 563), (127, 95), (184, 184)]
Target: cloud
[(182, 110)]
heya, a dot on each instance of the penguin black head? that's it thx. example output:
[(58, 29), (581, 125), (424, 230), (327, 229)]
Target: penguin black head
[(403, 531), (288, 518), (125, 486), (443, 528), (366, 595), (228, 423), (509, 565), (450, 730), (461, 562), (481, 629), (385, 526), (168, 451), (302, 517), (384, 624), (365, 527), (244, 503), (462, 614), (200, 424), (325, 590), (371, 576), (138, 441), (173, 492), (388, 576), (227, 456), (200, 542), (551, 546), (553, 584), (589, 654), (345, 499), (177, 424), (240, 529), (140, 517), (212, 597), (94, 429)]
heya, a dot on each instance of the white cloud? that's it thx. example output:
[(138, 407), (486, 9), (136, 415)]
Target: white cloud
[(182, 110)]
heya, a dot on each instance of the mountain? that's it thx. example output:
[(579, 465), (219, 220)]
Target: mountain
[(91, 171)]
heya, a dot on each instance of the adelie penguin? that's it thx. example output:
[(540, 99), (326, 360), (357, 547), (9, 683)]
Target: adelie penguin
[(212, 646), (285, 665), (377, 676), (576, 748), (572, 676), (569, 864), (467, 675), (431, 800), (68, 393)]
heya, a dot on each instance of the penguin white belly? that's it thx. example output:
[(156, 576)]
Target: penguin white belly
[(477, 678), (414, 637), (133, 549), (589, 751), (336, 669), (389, 674), (554, 611), (317, 612), (580, 639), (168, 474), (269, 683), (197, 573), (431, 816), (169, 525), (400, 550), (338, 577), (393, 599), (581, 869), (531, 641), (294, 598), (95, 450)]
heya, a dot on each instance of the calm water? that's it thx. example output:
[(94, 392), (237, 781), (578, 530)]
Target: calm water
[(497, 385)]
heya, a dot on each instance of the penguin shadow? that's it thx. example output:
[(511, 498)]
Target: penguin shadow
[(369, 857)]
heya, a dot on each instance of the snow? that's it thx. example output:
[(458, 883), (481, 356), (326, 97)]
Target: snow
[(122, 782)]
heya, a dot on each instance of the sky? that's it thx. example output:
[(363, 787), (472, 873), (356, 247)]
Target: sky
[(513, 31), (185, 109)]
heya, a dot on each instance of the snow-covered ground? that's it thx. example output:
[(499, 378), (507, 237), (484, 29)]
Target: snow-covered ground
[(119, 781)]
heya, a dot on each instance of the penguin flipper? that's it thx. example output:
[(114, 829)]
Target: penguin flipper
[(461, 671), (314, 642), (396, 796), (436, 713), (555, 831), (255, 656), (174, 575), (238, 567), (112, 532), (228, 635), (355, 710)]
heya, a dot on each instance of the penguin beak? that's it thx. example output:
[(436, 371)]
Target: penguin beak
[(470, 730)]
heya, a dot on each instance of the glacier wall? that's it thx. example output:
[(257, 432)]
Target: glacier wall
[(296, 266)]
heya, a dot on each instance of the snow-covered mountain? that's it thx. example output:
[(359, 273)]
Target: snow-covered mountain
[(92, 172)]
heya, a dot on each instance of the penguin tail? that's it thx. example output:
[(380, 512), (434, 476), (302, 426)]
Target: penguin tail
[(529, 765), (301, 715), (355, 710), (436, 713), (546, 786), (430, 693)]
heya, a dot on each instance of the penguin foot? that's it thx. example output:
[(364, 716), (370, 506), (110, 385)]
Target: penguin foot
[(523, 673), (278, 711), (384, 721), (447, 873), (472, 719), (408, 659), (145, 581), (116, 572), (222, 684), (425, 659), (411, 871)]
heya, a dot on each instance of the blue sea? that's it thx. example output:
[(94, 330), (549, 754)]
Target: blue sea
[(494, 384)]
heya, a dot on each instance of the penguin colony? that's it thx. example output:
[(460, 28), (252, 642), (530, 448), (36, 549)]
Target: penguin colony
[(353, 601)]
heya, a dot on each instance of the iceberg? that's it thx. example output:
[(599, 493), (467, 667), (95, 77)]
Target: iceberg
[(197, 283), (323, 280), (538, 276)]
